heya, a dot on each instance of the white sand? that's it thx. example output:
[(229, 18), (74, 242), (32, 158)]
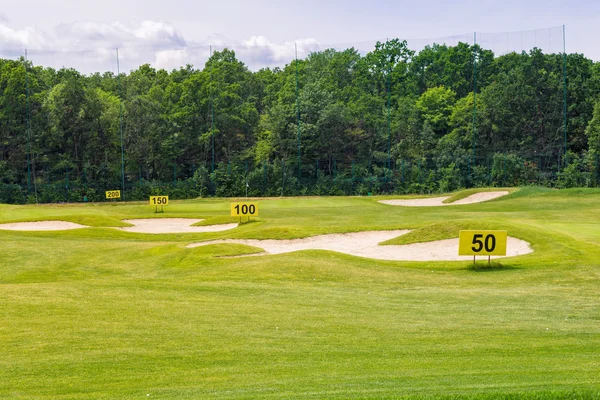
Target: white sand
[(439, 201), (173, 225), (41, 226), (366, 244)]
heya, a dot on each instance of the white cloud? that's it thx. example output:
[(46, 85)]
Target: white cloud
[(272, 53), (91, 46), (159, 33), (86, 35), (14, 39)]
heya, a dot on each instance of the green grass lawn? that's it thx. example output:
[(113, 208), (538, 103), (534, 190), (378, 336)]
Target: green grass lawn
[(99, 313)]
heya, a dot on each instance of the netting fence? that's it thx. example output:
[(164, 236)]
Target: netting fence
[(387, 116)]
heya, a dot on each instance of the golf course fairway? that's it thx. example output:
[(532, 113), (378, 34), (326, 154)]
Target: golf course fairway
[(99, 312)]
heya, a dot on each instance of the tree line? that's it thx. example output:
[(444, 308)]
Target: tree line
[(337, 122)]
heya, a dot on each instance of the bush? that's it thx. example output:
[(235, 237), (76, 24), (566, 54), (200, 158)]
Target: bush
[(507, 169), (572, 175), (12, 194), (449, 179)]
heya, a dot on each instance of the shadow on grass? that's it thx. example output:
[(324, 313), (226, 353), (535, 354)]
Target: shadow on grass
[(494, 266)]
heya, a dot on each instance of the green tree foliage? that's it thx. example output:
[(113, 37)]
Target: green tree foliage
[(436, 105), (593, 131), (342, 111)]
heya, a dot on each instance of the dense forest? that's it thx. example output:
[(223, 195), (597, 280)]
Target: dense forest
[(337, 122)]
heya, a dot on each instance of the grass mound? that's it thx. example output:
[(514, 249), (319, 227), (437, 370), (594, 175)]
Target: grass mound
[(463, 194), (441, 231)]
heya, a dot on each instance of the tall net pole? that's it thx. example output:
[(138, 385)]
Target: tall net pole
[(30, 159), (389, 120), (474, 99), (565, 92), (121, 127), (27, 125), (212, 114), (298, 115)]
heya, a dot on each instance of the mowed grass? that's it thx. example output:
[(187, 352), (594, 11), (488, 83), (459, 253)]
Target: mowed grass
[(99, 313)]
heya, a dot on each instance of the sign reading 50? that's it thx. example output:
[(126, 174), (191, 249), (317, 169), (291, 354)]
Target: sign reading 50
[(244, 209), (482, 243)]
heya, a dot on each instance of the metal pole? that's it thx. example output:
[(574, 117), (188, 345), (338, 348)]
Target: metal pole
[(282, 176), (298, 114), (121, 128), (389, 118), (565, 91), (212, 113), (27, 124), (474, 97), (247, 183)]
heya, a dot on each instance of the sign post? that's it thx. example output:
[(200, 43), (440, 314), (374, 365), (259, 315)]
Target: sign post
[(159, 201), (482, 243)]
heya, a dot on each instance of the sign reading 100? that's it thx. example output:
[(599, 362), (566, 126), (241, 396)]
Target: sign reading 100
[(244, 209), (482, 243)]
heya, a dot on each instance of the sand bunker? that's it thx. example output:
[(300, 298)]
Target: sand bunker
[(439, 201), (41, 226), (366, 244), (173, 225)]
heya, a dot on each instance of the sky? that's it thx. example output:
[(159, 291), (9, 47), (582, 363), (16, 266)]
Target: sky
[(84, 34)]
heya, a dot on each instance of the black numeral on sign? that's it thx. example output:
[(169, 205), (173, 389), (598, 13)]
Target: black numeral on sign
[(246, 209), (490, 243)]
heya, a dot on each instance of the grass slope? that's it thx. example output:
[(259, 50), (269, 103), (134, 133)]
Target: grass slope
[(102, 314), (466, 193)]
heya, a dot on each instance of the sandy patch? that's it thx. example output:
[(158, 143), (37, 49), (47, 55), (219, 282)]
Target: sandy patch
[(172, 225), (439, 201), (41, 226), (366, 244)]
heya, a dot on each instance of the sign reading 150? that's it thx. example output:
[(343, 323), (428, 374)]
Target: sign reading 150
[(159, 200), (244, 209), (482, 243)]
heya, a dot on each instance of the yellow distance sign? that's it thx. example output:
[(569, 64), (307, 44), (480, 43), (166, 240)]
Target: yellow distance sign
[(159, 201), (482, 243), (113, 194), (244, 209)]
